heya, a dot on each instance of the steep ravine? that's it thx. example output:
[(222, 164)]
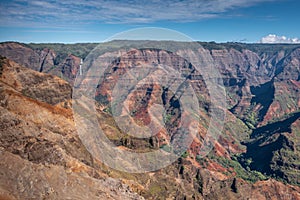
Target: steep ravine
[(261, 131)]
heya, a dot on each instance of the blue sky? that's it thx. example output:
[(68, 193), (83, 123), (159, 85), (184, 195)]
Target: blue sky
[(71, 21)]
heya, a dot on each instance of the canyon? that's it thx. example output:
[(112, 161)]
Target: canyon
[(256, 156)]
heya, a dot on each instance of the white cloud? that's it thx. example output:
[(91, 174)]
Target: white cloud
[(274, 39), (18, 12)]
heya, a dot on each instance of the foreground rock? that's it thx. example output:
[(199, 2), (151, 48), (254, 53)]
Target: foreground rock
[(41, 156)]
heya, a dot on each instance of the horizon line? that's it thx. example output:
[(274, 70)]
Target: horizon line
[(179, 41)]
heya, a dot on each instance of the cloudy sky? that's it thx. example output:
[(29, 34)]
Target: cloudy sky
[(73, 21)]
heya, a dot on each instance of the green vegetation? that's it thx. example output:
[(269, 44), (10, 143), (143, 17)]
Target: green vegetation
[(155, 189), (246, 174), (102, 99), (83, 49), (108, 110), (274, 149), (287, 101), (166, 148), (238, 129), (288, 171), (63, 50), (271, 48), (167, 118), (251, 117), (133, 112), (258, 48), (297, 134), (212, 45), (185, 154)]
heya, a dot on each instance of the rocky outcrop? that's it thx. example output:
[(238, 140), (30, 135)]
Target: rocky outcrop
[(21, 179), (43, 87), (257, 83), (21, 54), (42, 59), (41, 154)]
